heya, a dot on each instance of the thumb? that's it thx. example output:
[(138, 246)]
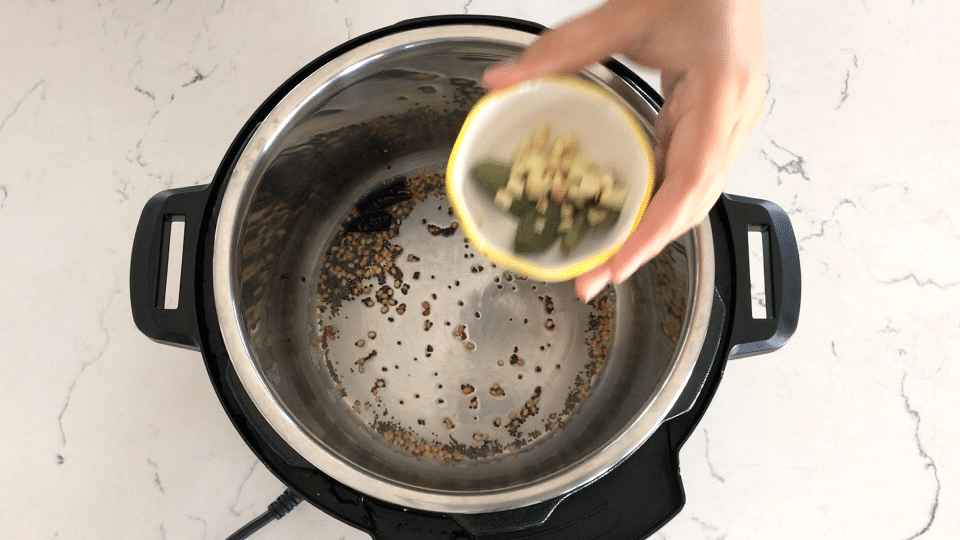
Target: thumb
[(566, 49)]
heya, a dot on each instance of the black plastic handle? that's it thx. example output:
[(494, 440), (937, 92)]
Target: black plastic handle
[(148, 266), (752, 336)]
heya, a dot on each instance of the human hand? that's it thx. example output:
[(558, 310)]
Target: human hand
[(711, 57)]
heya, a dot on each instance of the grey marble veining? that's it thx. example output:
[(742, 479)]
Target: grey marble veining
[(850, 431)]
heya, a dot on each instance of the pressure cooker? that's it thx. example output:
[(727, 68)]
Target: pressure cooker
[(396, 379)]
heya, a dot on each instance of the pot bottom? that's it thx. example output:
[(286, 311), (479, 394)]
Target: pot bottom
[(435, 349)]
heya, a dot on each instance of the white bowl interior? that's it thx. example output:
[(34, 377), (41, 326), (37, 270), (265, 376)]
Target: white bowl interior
[(607, 132)]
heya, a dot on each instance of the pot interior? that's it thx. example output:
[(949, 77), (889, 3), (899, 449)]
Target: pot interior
[(375, 128)]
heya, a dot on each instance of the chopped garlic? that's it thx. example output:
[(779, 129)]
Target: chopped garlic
[(596, 215), (538, 184), (542, 206), (606, 181), (515, 183), (613, 198), (540, 138), (564, 151), (590, 186), (539, 225), (587, 189), (564, 184), (557, 180), (575, 196), (581, 165), (560, 186), (503, 199)]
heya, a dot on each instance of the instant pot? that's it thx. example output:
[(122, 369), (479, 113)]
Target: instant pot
[(575, 436)]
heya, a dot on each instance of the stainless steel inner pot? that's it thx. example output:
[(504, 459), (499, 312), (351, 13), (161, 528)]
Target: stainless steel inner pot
[(391, 108)]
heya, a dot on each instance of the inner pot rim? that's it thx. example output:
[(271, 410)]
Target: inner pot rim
[(238, 194)]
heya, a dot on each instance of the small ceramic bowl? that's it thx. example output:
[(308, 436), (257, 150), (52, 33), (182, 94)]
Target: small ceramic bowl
[(608, 132)]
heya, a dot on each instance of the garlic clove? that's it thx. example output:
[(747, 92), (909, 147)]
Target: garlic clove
[(542, 205), (613, 198), (503, 199), (590, 186), (515, 184), (540, 138), (595, 216)]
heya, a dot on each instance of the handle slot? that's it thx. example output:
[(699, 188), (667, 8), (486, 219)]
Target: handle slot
[(761, 281), (171, 262)]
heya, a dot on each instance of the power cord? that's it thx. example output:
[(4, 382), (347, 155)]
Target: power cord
[(277, 509)]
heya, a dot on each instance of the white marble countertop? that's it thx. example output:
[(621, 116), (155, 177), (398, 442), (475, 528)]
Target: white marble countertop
[(850, 431)]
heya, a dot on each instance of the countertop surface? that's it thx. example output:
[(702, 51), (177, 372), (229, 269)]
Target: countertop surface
[(850, 431)]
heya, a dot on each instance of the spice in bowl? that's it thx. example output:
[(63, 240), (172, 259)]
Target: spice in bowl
[(550, 207), (553, 190)]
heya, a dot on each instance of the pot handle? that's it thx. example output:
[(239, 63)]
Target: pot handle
[(148, 267), (752, 336)]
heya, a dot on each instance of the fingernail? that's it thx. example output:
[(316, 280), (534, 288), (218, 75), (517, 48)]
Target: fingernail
[(622, 274), (590, 286), (592, 289)]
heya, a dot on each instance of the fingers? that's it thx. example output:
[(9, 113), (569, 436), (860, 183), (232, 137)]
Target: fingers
[(668, 80), (694, 173), (650, 237), (591, 283), (568, 48)]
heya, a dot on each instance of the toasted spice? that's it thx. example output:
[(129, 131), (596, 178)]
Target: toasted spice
[(373, 258)]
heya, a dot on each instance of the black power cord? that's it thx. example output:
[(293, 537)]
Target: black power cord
[(277, 509)]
